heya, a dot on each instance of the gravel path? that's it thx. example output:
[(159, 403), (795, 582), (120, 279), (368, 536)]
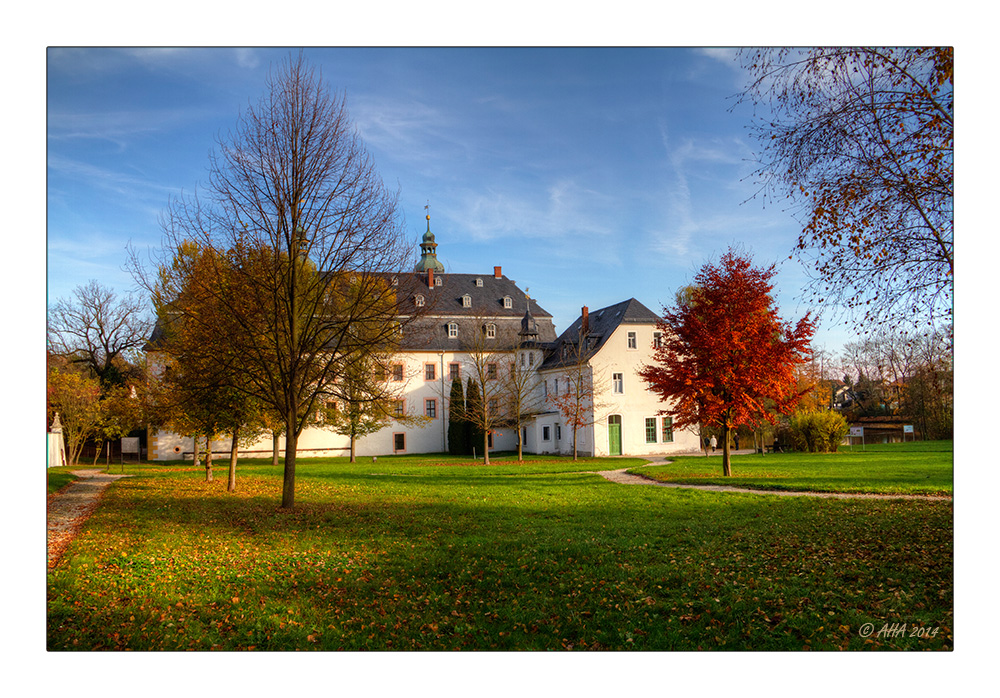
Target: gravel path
[(70, 507), (623, 477)]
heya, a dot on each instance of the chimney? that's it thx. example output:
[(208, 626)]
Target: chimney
[(496, 273), (430, 278), (584, 323)]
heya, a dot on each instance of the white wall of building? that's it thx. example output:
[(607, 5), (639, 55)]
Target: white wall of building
[(427, 437), (634, 404)]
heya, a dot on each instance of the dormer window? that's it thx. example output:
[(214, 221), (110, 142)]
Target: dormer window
[(491, 331), (508, 302), (395, 281), (466, 301), (419, 300), (452, 330), (437, 281), (479, 283)]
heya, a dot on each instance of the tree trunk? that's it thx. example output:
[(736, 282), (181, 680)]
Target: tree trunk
[(208, 458), (353, 441), (288, 484), (97, 452), (486, 448), (195, 455), (726, 470), (274, 449), (233, 456)]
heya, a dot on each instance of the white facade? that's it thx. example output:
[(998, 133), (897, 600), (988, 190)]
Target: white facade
[(627, 420), (623, 404), (422, 395)]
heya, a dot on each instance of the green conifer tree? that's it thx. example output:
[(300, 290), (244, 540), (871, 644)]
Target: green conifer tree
[(456, 419), (473, 407)]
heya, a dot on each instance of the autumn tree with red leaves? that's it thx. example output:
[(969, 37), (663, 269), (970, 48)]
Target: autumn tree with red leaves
[(727, 360)]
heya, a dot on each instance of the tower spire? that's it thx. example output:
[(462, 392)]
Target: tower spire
[(428, 253)]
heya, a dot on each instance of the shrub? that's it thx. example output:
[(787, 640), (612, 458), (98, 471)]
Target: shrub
[(817, 432)]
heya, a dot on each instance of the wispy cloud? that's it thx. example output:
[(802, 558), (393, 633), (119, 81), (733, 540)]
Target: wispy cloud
[(564, 209), (699, 170), (120, 126), (115, 182)]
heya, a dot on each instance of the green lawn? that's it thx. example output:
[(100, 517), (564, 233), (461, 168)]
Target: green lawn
[(924, 467), (437, 553), (57, 478)]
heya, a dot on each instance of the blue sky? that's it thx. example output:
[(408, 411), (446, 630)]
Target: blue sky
[(590, 175)]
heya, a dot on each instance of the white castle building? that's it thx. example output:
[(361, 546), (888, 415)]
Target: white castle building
[(465, 313)]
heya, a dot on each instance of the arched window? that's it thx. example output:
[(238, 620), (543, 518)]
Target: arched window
[(508, 302), (452, 330), (491, 331), (466, 301), (419, 300)]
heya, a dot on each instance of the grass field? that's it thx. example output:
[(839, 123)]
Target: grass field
[(437, 553), (923, 467), (57, 478)]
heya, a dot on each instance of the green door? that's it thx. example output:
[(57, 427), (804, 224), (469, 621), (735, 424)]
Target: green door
[(615, 435)]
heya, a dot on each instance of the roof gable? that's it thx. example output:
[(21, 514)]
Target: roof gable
[(602, 323)]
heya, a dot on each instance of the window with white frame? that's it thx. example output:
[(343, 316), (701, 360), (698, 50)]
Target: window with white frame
[(618, 383), (479, 283), (466, 301), (438, 281), (546, 433), (452, 330), (633, 343), (508, 302), (657, 340), (491, 331), (419, 301)]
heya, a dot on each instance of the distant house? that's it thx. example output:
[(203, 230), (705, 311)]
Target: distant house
[(463, 314)]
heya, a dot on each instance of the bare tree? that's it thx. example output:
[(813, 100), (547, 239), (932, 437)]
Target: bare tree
[(490, 348), (904, 373), (98, 329), (520, 388), (580, 400), (295, 208), (862, 140)]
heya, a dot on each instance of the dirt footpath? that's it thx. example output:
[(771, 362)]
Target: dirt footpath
[(70, 507), (623, 477)]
